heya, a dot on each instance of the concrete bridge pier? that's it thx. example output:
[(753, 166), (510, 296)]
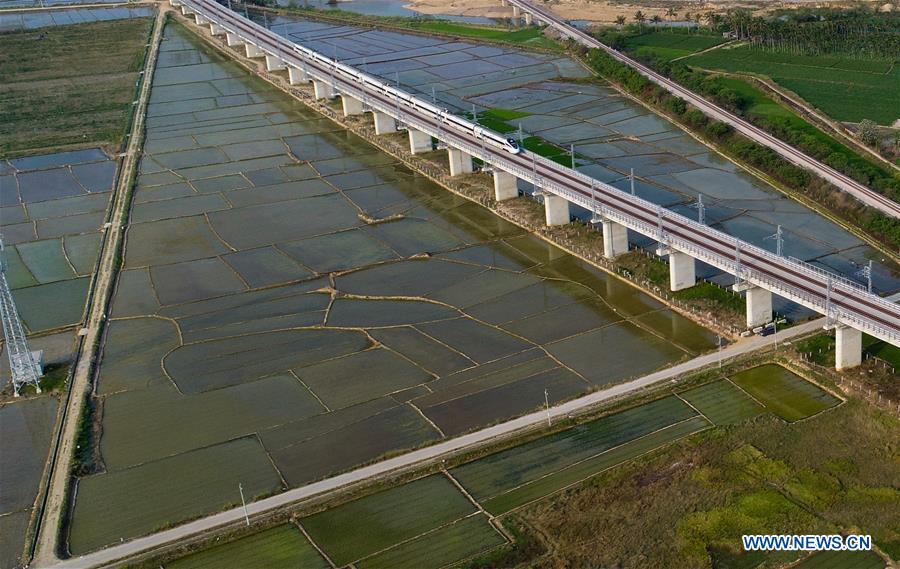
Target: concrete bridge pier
[(504, 3), (384, 123), (682, 269), (351, 105), (216, 29), (200, 19), (174, 3), (848, 347), (274, 63), (186, 10), (517, 12), (322, 90), (297, 76), (615, 239), (233, 40), (419, 141), (505, 186), (556, 210), (529, 19), (759, 304), (460, 162), (253, 51)]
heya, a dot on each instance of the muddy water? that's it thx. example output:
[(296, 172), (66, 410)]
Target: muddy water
[(262, 332)]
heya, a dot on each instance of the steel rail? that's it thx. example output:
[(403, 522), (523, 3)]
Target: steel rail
[(843, 300)]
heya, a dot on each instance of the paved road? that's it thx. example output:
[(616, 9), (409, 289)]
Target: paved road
[(411, 459), (849, 185), (61, 462)]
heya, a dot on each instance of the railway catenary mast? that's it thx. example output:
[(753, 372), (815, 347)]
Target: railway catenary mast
[(22, 365), (853, 307)]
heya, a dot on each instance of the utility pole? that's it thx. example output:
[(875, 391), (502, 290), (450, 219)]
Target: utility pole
[(719, 350), (547, 405), (244, 504)]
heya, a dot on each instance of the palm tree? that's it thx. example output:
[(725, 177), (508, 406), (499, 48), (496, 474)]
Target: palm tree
[(671, 13), (640, 18), (656, 19), (620, 21), (713, 19)]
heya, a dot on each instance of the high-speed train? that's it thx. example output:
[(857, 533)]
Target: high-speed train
[(368, 82)]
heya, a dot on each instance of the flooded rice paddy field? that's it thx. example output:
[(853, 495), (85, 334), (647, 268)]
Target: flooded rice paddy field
[(611, 135), (440, 519), (262, 332), (53, 209), (26, 426), (32, 20)]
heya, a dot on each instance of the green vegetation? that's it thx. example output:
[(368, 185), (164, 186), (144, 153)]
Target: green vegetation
[(667, 45), (460, 540), (688, 504), (788, 126), (784, 393), (722, 402), (819, 349), (532, 36), (365, 526), (499, 473), (845, 88), (841, 560), (880, 226), (70, 85), (280, 546)]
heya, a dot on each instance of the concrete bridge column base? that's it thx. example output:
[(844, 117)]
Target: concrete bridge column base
[(759, 306), (682, 271), (615, 239), (848, 347), (216, 30), (460, 162), (505, 186), (322, 90), (351, 106), (297, 76), (274, 64), (253, 51), (384, 123), (200, 19), (419, 141), (232, 40), (556, 210)]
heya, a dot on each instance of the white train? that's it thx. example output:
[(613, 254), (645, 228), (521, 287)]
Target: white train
[(413, 104)]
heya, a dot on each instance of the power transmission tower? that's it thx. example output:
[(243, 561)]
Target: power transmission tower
[(25, 370)]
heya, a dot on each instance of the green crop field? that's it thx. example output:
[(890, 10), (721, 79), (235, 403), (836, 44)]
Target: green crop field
[(450, 544), (846, 89), (669, 46), (370, 524), (722, 402), (72, 85), (503, 471), (281, 546), (568, 476), (787, 395)]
